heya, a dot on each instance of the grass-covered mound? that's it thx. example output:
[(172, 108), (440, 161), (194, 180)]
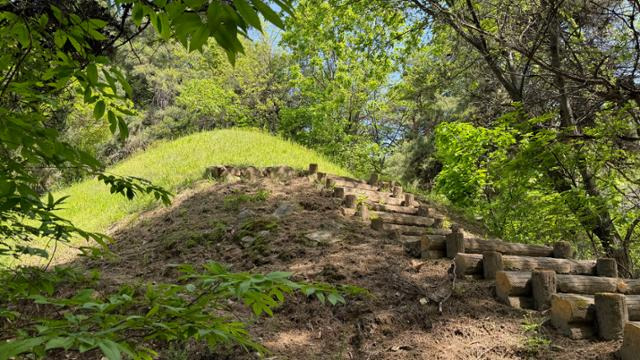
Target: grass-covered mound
[(178, 163)]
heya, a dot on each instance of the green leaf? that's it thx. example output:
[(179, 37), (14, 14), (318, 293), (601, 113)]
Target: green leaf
[(268, 13), (123, 128), (59, 342), (138, 13), (16, 347), (248, 13), (98, 109), (92, 73), (199, 38), (110, 349)]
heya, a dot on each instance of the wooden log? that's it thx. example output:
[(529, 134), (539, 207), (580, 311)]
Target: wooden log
[(510, 283), (519, 302), (374, 196), (571, 309), (543, 286), (352, 183), (607, 267), (350, 201), (395, 208), (491, 264), (583, 284), (630, 349), (313, 169), (404, 219), (434, 242), (433, 254), (468, 264), (377, 224), (629, 286), (363, 212), (611, 315), (405, 229), (339, 192), (479, 246), (561, 266), (633, 307), (455, 244), (563, 250), (412, 248), (518, 283), (409, 200), (397, 191), (423, 210)]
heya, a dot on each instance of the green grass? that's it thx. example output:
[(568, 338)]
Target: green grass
[(176, 164)]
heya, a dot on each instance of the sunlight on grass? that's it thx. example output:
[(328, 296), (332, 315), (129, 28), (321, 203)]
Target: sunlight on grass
[(176, 164)]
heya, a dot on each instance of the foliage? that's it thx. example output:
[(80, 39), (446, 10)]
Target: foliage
[(53, 50), (135, 319)]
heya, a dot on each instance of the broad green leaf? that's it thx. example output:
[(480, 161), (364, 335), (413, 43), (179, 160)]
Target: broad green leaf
[(268, 13), (110, 349), (59, 342), (248, 13), (92, 73), (98, 109), (16, 347)]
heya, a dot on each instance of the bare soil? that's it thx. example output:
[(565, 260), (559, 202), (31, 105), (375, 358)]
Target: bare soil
[(391, 324)]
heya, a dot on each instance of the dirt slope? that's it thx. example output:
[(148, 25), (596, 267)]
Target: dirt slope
[(313, 240)]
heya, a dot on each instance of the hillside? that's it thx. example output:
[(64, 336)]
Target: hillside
[(175, 165), (293, 225)]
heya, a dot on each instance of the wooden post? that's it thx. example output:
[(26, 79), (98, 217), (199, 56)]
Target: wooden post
[(397, 191), (377, 224), (543, 286), (350, 201), (563, 250), (321, 176), (607, 267), (330, 183), (373, 179), (611, 315), (455, 242), (631, 344), (408, 199), (423, 211), (339, 192), (363, 211), (491, 264), (313, 169)]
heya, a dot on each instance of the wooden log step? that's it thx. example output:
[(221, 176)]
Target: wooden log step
[(434, 242), (339, 181), (630, 349), (403, 219), (569, 310), (372, 196), (394, 208), (479, 246), (518, 283), (471, 264), (380, 225), (520, 302)]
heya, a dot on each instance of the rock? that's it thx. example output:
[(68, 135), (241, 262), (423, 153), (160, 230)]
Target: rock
[(285, 209), (322, 236), (247, 241), (264, 233), (246, 214)]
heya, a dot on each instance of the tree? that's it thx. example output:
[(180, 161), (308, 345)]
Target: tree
[(570, 67), (53, 50)]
